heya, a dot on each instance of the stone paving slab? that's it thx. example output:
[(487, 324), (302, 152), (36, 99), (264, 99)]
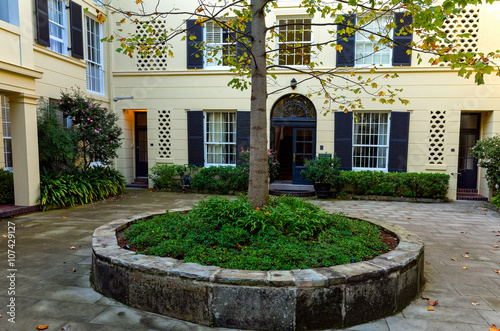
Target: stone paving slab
[(49, 292)]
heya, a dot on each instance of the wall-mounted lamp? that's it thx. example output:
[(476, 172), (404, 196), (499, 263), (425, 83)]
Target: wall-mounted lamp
[(293, 83), (122, 98)]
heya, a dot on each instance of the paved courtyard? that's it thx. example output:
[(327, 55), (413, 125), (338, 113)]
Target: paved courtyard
[(52, 281)]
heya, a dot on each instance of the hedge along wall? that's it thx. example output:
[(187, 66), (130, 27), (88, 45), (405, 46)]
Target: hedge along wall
[(405, 184)]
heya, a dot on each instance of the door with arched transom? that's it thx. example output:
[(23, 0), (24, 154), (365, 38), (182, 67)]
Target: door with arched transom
[(293, 135)]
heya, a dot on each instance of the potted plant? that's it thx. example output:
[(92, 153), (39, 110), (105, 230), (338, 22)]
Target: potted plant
[(324, 172)]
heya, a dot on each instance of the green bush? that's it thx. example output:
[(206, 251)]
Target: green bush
[(323, 169), (288, 234), (410, 185), (223, 179), (487, 152), (166, 176), (6, 187), (73, 188)]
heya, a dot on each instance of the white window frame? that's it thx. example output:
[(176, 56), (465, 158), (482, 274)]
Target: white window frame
[(371, 141), (58, 44), (302, 42), (219, 142), (94, 56), (218, 45), (369, 58), (6, 126)]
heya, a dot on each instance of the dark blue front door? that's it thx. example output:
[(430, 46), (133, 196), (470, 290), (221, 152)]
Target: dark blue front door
[(304, 147)]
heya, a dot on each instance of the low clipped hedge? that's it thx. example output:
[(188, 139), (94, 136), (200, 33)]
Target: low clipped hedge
[(6, 187), (405, 184), (95, 184), (223, 179)]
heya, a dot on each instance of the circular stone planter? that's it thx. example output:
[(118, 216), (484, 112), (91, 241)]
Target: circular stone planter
[(320, 298)]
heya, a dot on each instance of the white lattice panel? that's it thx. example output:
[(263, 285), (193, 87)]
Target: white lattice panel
[(436, 140), (164, 135), (151, 62)]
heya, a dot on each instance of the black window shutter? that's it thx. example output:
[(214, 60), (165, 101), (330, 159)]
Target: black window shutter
[(402, 41), (343, 139), (194, 54), (240, 47), (196, 148), (398, 141), (345, 58), (242, 131), (42, 22), (75, 12)]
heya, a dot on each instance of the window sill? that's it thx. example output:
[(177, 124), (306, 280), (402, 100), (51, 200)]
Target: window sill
[(164, 160), (66, 58), (436, 167), (6, 26)]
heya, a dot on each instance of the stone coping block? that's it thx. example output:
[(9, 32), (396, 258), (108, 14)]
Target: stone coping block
[(319, 298)]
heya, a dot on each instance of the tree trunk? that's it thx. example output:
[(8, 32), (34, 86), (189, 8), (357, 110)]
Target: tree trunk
[(258, 186)]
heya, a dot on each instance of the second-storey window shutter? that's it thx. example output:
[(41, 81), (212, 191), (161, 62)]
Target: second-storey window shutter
[(398, 141), (75, 13), (400, 57), (242, 131), (196, 145), (194, 54), (343, 139), (42, 23), (345, 58), (240, 47)]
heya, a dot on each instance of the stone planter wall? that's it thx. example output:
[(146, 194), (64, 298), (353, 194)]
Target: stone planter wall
[(320, 298)]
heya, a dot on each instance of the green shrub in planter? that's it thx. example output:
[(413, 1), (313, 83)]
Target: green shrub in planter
[(223, 179), (323, 169), (166, 176), (6, 187)]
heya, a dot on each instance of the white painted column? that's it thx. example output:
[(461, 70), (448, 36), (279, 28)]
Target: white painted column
[(25, 149)]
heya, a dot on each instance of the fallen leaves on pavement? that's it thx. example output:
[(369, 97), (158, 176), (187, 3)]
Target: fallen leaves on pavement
[(433, 303), (497, 271), (475, 303), (42, 327), (425, 298), (465, 268), (493, 327), (430, 308), (427, 262), (72, 247), (466, 256), (454, 259)]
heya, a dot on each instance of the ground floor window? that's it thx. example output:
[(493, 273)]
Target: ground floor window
[(7, 138), (220, 138), (370, 141)]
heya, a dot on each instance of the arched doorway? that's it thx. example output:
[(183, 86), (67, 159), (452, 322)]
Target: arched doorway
[(293, 135)]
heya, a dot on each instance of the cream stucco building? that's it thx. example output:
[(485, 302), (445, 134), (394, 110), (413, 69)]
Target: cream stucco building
[(180, 110)]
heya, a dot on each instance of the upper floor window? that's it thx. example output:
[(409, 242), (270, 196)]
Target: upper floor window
[(370, 141), (361, 47), (57, 26), (294, 41), (220, 138), (9, 11), (220, 45), (95, 77), (366, 41)]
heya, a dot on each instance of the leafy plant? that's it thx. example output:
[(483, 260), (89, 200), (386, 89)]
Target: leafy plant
[(272, 162), (288, 234), (322, 169), (411, 185), (57, 146), (77, 187), (487, 152), (6, 187), (98, 134), (166, 176), (223, 179)]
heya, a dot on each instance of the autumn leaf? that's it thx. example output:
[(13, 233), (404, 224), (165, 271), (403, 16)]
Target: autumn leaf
[(430, 308), (72, 247), (496, 246), (101, 18), (463, 232), (475, 303), (427, 262), (433, 303), (74, 269), (42, 327), (425, 298), (493, 327), (339, 48), (465, 268), (409, 218), (454, 259), (4, 236), (64, 217), (138, 2), (466, 256), (497, 271)]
